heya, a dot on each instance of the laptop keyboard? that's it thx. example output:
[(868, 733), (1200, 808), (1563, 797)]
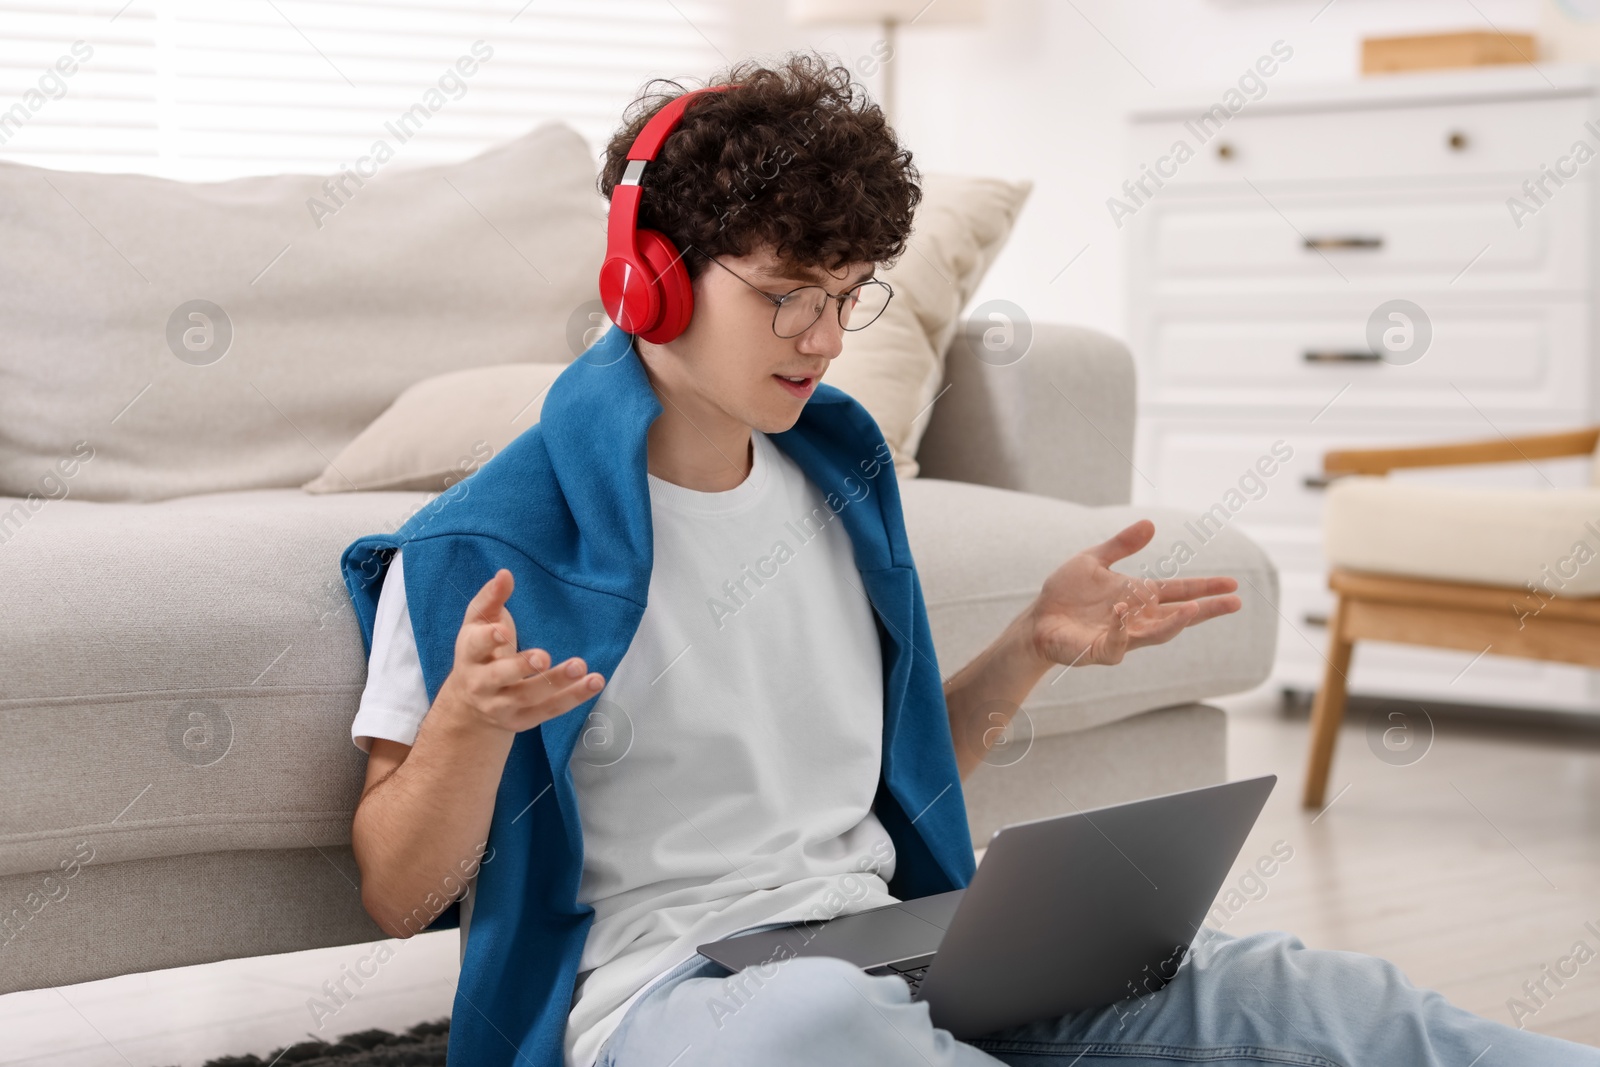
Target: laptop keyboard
[(913, 978), (910, 971)]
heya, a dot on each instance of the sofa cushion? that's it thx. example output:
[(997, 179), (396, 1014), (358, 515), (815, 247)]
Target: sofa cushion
[(324, 318), (895, 367), (195, 692), (983, 553), (181, 675), (1510, 537), (441, 429)]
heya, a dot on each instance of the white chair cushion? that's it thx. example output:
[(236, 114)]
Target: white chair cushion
[(1510, 537)]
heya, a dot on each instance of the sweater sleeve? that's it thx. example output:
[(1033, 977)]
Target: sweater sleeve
[(395, 699)]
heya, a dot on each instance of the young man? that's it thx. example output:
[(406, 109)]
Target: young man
[(719, 536)]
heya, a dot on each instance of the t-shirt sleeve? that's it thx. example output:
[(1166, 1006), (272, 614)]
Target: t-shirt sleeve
[(395, 699)]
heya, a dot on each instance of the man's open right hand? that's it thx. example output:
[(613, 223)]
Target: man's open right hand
[(493, 684)]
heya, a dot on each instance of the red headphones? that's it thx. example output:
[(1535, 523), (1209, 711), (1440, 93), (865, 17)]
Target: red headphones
[(643, 283)]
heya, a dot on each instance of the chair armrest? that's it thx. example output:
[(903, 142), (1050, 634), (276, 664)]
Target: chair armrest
[(1491, 450), (1058, 422)]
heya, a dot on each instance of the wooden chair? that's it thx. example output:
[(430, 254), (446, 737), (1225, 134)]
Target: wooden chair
[(1441, 614)]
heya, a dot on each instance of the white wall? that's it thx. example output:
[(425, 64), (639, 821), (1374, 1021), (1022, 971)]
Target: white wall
[(1040, 91)]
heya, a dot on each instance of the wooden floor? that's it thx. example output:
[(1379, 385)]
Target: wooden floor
[(1472, 868)]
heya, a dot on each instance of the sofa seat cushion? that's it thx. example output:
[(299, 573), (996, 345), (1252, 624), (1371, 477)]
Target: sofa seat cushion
[(1491, 536), (983, 553), (182, 675)]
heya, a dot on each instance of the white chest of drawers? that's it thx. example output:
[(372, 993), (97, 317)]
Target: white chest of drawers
[(1255, 265)]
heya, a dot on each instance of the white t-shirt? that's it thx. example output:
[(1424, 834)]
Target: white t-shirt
[(726, 774)]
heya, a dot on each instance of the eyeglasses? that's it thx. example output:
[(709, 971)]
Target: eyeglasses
[(797, 311)]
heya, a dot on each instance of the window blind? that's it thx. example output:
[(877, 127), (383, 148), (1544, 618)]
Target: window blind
[(211, 89)]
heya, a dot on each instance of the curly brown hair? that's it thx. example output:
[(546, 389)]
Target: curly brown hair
[(797, 157)]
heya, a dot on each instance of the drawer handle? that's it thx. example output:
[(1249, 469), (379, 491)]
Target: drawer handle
[(1314, 618), (1364, 355), (1319, 481), (1320, 243), (1457, 141)]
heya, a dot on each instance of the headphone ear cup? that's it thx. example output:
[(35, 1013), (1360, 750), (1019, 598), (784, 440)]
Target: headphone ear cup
[(672, 285), (629, 293)]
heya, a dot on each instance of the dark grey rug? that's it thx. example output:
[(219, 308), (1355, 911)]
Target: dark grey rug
[(423, 1045)]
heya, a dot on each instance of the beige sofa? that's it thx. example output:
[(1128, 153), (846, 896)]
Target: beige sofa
[(180, 660)]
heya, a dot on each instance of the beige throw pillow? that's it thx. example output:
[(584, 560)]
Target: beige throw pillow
[(895, 366), (441, 429)]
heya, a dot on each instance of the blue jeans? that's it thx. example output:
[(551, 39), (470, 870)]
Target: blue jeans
[(1264, 998)]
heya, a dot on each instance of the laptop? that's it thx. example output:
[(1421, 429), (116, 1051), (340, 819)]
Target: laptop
[(1064, 913)]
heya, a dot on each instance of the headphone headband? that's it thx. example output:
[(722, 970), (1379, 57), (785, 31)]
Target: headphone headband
[(643, 283)]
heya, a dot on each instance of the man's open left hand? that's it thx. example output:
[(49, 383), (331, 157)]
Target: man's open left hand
[(1088, 613)]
